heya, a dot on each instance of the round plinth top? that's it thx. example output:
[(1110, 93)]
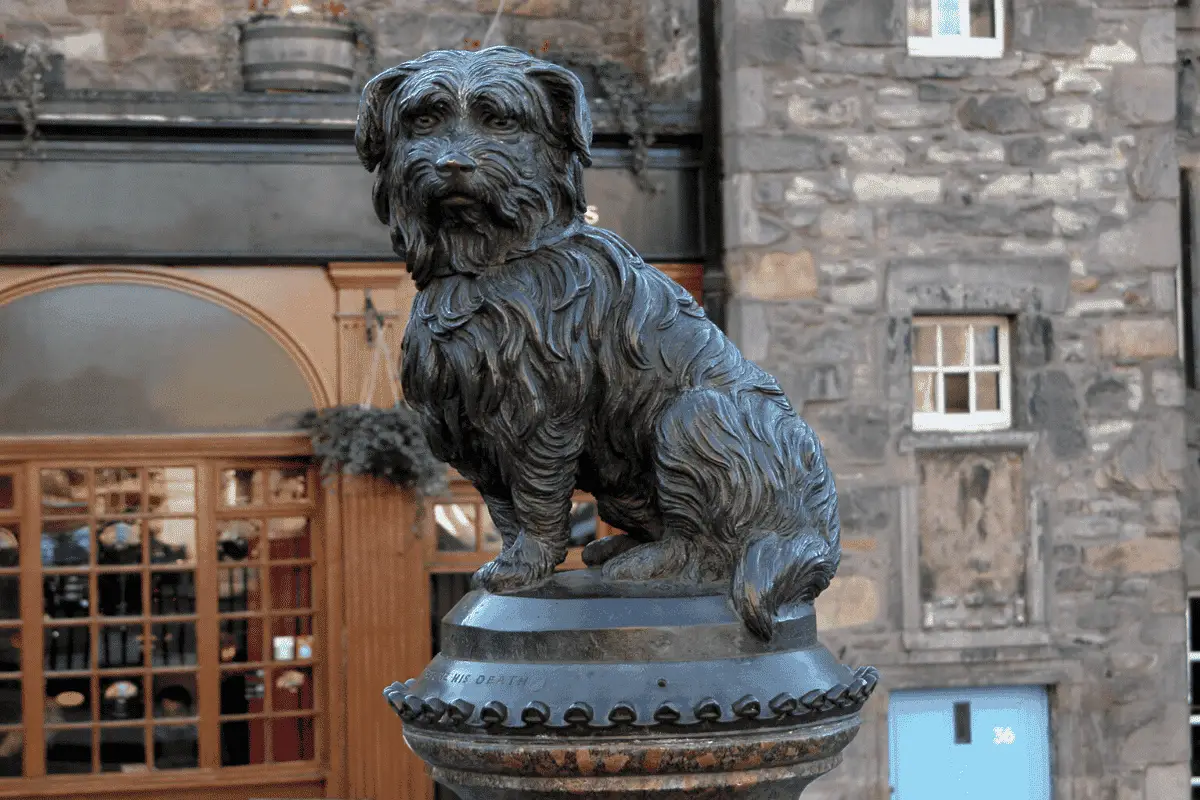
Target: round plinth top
[(577, 616), (583, 655)]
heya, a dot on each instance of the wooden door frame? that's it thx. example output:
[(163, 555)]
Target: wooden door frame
[(330, 766)]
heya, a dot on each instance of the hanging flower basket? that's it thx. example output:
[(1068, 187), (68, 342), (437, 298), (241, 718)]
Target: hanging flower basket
[(384, 443), (298, 47)]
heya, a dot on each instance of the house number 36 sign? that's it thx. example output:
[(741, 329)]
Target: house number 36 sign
[(591, 216)]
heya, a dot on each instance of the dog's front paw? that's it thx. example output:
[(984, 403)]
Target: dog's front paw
[(524, 564)]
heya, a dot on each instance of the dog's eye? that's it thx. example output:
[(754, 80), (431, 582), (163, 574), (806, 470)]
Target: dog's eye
[(424, 122), (500, 124)]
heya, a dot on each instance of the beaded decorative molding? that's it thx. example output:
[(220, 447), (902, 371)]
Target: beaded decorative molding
[(783, 708)]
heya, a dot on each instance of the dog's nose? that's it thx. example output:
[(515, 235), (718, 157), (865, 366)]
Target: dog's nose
[(455, 162)]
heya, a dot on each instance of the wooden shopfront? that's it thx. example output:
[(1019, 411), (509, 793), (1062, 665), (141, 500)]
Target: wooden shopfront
[(185, 604)]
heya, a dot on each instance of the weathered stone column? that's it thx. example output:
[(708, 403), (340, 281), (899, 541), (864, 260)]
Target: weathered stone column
[(588, 689)]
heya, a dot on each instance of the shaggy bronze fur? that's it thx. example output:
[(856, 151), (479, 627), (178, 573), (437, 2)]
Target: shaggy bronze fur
[(545, 356)]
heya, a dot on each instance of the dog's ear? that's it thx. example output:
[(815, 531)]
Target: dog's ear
[(571, 113), (370, 130)]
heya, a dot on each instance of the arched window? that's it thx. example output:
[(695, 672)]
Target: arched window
[(124, 358), (160, 604)]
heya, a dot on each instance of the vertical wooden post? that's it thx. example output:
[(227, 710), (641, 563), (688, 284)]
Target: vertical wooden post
[(385, 588), (388, 635)]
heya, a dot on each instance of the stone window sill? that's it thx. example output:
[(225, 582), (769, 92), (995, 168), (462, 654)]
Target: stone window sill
[(974, 440), (955, 47), (948, 640)]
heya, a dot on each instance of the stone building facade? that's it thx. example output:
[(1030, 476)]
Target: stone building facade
[(864, 186), (866, 190)]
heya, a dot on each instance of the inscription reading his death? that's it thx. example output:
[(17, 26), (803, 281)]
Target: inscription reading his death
[(482, 679)]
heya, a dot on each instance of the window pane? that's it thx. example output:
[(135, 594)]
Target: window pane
[(171, 491), (243, 692), (122, 698), (983, 18), (12, 754), (291, 587), (119, 542), (242, 487), (987, 344), (242, 641), (10, 597), (239, 539), (8, 493), (121, 646), (925, 345), (954, 345), (172, 593), (10, 702), (925, 392), (172, 541), (293, 739), (120, 594), (174, 644), (288, 485), (123, 750), (289, 538), (64, 491), (65, 596), (920, 18), (947, 18), (238, 589), (289, 635), (455, 526), (292, 690), (10, 649), (67, 649), (68, 700), (987, 391), (125, 358), (957, 394), (176, 747), (66, 543), (243, 742), (175, 696), (68, 752), (118, 491), (10, 544)]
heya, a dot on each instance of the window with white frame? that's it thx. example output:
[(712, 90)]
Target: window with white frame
[(961, 374), (956, 28)]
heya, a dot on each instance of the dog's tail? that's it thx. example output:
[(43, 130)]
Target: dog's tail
[(777, 569)]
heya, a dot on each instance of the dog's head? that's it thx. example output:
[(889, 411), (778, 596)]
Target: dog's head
[(479, 156)]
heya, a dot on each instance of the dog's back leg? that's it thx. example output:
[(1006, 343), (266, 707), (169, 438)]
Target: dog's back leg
[(696, 479)]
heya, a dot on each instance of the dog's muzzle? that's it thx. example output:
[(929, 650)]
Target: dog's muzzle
[(455, 170)]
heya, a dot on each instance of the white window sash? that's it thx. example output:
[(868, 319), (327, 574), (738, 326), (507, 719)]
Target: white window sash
[(962, 45), (973, 420)]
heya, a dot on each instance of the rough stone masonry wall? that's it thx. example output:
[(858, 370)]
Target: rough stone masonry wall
[(191, 45), (861, 183)]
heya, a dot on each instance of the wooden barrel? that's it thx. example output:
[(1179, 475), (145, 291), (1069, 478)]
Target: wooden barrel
[(298, 55)]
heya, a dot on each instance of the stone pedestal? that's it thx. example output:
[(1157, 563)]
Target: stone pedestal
[(588, 689)]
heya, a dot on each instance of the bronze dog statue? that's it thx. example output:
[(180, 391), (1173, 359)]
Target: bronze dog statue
[(544, 355)]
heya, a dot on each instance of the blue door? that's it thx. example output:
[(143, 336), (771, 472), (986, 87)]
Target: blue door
[(970, 744)]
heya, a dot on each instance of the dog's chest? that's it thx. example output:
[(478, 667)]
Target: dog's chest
[(496, 347)]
